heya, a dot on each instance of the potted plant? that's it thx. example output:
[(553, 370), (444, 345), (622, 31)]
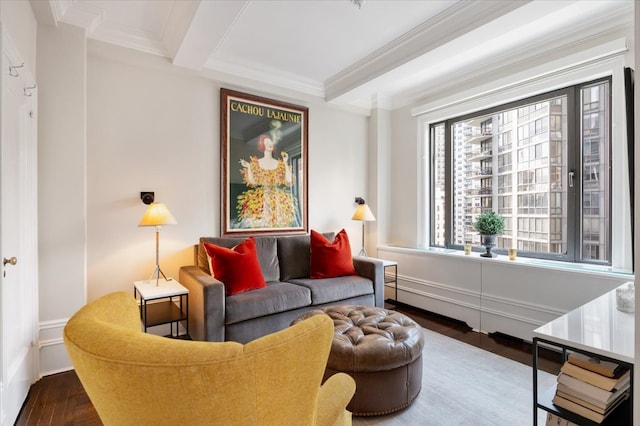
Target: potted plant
[(489, 224)]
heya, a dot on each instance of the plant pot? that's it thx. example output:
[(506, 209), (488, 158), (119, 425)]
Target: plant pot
[(488, 241)]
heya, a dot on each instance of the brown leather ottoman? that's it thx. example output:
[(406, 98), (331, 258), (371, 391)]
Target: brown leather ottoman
[(382, 350)]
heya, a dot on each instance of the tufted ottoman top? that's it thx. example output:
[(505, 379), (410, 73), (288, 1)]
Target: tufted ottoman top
[(370, 339)]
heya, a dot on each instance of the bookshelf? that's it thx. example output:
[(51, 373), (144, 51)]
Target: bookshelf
[(596, 329)]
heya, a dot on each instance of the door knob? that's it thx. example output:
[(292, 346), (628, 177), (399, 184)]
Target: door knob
[(11, 261)]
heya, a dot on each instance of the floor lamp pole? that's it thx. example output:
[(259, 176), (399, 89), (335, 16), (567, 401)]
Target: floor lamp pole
[(363, 252), (157, 271)]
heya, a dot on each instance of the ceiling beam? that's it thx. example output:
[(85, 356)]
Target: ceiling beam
[(44, 12), (454, 22), (205, 31)]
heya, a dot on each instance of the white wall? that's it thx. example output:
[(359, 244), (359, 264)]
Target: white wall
[(151, 127), (405, 162), (62, 216), (148, 130)]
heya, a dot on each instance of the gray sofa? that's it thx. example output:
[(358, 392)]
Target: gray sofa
[(290, 292)]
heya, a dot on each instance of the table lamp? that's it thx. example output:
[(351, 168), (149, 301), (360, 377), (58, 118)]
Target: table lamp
[(157, 215), (363, 214)]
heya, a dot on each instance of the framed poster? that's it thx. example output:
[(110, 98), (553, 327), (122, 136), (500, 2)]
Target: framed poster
[(264, 165)]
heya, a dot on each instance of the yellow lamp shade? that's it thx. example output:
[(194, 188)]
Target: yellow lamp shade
[(157, 214), (363, 213)]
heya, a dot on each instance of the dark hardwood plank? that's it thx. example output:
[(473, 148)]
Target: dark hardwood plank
[(60, 399)]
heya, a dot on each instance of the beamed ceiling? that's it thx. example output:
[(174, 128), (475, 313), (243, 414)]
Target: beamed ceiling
[(387, 52)]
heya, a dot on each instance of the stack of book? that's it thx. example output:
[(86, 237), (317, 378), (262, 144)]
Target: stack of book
[(590, 387), (555, 420)]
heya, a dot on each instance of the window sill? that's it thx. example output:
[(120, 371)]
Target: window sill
[(520, 261)]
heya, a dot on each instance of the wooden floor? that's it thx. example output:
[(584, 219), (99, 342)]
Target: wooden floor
[(60, 399)]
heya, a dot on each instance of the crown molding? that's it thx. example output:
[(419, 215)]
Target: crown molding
[(553, 69), (609, 40), (91, 18), (58, 8), (44, 11), (260, 73), (141, 41), (78, 14)]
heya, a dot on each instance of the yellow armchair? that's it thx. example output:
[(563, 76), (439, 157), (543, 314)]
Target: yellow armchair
[(133, 378)]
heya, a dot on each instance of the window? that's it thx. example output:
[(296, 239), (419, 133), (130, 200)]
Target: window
[(542, 163)]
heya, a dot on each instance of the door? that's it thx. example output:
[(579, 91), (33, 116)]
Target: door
[(18, 235)]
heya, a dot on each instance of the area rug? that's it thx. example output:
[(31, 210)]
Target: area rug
[(465, 385)]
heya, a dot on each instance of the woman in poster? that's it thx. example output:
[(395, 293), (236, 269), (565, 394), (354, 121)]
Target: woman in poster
[(268, 202)]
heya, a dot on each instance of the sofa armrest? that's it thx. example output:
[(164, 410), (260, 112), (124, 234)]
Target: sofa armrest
[(206, 304), (372, 268)]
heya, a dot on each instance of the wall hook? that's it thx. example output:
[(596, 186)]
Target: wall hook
[(27, 90), (13, 70)]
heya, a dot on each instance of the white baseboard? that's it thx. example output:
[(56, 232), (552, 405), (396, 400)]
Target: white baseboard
[(52, 352)]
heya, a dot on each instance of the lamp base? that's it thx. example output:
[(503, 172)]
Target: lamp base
[(156, 273)]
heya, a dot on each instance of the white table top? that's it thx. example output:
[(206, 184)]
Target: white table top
[(385, 262), (149, 290), (597, 327)]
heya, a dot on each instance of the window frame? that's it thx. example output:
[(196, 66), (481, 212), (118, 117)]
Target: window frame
[(574, 252)]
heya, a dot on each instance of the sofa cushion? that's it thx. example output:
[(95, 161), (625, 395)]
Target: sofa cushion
[(275, 298), (328, 290), (265, 246), (237, 268), (294, 255), (330, 259)]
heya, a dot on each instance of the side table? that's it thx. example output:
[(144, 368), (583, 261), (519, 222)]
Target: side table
[(597, 329), (390, 268), (391, 277), (174, 309)]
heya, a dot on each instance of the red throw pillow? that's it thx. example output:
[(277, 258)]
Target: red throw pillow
[(237, 268), (333, 259)]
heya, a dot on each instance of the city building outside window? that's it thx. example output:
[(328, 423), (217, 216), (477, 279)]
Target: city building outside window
[(543, 163)]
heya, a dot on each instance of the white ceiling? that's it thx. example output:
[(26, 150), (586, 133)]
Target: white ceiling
[(393, 51)]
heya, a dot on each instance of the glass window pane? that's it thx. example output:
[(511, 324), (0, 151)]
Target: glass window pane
[(595, 180), (516, 161), (438, 178), (485, 155)]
